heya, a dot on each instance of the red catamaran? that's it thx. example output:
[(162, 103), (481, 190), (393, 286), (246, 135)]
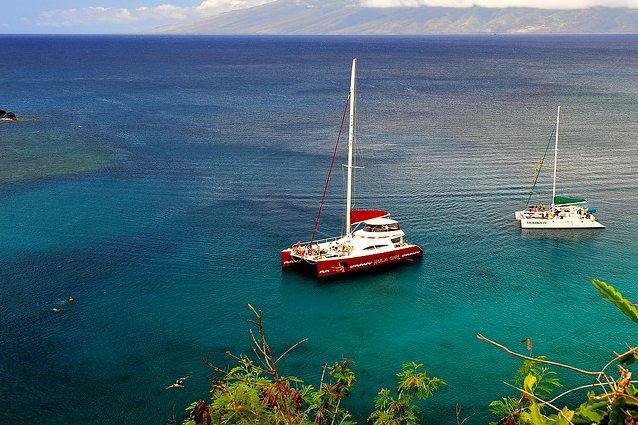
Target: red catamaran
[(372, 238)]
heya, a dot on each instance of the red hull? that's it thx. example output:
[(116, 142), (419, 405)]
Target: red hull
[(340, 265), (286, 259)]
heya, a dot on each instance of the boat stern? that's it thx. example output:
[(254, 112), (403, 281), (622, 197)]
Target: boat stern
[(286, 258)]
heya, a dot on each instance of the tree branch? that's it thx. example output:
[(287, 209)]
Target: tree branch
[(585, 372)]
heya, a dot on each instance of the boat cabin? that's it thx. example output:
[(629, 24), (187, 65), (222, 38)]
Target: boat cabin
[(380, 224), (379, 233)]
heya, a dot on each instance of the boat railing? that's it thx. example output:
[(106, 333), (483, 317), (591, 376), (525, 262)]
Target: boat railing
[(322, 248), (317, 242)]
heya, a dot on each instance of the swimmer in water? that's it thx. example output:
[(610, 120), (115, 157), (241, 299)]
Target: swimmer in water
[(177, 384), (57, 310)]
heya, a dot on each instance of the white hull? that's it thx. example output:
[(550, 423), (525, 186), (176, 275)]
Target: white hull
[(558, 223), (379, 242), (560, 217), (378, 236)]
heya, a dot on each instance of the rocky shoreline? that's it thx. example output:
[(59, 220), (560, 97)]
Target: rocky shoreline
[(4, 115)]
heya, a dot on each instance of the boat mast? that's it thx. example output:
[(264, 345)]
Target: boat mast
[(555, 155), (353, 82)]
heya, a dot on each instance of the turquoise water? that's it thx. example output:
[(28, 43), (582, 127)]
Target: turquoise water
[(156, 179)]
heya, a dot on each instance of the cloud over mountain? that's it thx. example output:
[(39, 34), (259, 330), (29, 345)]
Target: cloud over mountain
[(539, 4), (353, 17)]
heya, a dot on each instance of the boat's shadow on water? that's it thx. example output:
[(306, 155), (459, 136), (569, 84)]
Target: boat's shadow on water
[(309, 275)]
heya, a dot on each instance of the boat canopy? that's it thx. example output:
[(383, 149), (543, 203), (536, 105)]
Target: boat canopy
[(381, 221), (559, 200), (357, 216)]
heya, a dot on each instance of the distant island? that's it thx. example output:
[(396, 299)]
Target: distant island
[(338, 17)]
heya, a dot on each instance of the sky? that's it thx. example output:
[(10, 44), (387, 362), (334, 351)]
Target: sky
[(133, 16)]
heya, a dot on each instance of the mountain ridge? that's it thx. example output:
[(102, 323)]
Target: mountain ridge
[(314, 17)]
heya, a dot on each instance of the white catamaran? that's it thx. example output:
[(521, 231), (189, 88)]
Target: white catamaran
[(563, 213), (372, 239)]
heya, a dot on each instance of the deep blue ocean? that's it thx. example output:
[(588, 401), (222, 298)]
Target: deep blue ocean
[(156, 179)]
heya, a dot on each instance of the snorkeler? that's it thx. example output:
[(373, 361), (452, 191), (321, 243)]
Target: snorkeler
[(177, 384)]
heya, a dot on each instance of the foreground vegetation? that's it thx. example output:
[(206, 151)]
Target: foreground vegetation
[(254, 391)]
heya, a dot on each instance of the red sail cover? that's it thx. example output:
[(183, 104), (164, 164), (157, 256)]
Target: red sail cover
[(357, 216)]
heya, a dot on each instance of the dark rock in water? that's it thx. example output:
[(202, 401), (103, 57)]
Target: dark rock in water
[(8, 115)]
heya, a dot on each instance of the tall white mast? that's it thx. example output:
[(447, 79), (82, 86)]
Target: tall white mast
[(555, 155), (353, 83)]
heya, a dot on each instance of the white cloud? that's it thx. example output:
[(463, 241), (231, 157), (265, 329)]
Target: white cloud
[(215, 6), (542, 4), (93, 15), (162, 13)]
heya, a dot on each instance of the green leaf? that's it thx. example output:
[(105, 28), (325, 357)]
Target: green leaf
[(565, 417), (615, 297), (534, 416), (593, 416), (627, 359), (530, 382), (616, 415)]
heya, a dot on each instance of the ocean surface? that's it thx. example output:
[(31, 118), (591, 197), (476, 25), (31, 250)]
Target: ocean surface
[(156, 179)]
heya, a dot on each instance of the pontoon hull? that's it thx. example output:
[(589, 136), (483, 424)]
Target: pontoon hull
[(340, 265), (286, 258), (558, 223)]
